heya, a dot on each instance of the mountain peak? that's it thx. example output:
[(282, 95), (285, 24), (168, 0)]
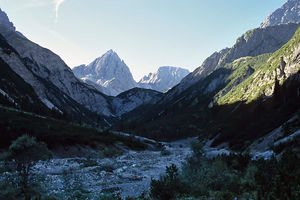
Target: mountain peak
[(108, 71), (4, 21), (109, 53), (172, 69), (164, 79), (168, 68), (287, 13)]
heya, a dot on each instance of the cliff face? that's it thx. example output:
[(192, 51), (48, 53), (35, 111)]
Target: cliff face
[(4, 22), (288, 13)]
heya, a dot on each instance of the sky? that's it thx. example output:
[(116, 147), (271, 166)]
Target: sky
[(146, 34)]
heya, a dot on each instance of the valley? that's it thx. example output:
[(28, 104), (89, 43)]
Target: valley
[(228, 130)]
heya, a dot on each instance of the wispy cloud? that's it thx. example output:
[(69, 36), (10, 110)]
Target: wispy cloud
[(57, 5)]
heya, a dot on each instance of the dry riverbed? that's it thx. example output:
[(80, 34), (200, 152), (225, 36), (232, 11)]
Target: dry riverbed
[(128, 174)]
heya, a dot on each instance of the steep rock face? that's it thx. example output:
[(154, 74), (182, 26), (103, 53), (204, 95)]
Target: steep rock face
[(252, 43), (208, 66), (14, 91), (37, 65), (22, 89), (288, 13), (131, 99), (4, 22), (95, 85), (164, 79), (108, 71)]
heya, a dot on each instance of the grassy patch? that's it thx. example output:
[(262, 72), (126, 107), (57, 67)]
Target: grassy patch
[(262, 81)]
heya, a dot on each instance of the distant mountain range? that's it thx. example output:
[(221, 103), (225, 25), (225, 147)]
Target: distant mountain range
[(110, 75)]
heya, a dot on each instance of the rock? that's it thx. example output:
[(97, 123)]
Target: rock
[(212, 153), (208, 66), (266, 155), (288, 13), (164, 79), (130, 176), (131, 99), (4, 22), (109, 72)]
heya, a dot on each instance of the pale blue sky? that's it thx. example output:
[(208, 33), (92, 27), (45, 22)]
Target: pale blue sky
[(146, 34)]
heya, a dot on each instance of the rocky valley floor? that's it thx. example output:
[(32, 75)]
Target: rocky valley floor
[(128, 174)]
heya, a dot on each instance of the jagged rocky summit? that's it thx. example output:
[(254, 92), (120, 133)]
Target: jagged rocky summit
[(109, 72), (288, 13), (164, 79)]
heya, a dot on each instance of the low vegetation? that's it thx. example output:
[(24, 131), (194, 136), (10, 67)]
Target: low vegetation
[(230, 177), (57, 132), (22, 155), (242, 70), (223, 177)]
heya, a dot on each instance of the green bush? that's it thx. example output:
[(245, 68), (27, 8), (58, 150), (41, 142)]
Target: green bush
[(109, 197), (231, 176), (110, 152), (23, 154), (168, 186), (9, 190)]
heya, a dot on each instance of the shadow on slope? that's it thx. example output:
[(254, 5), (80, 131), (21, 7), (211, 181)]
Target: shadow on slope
[(240, 123), (236, 124), (14, 123)]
